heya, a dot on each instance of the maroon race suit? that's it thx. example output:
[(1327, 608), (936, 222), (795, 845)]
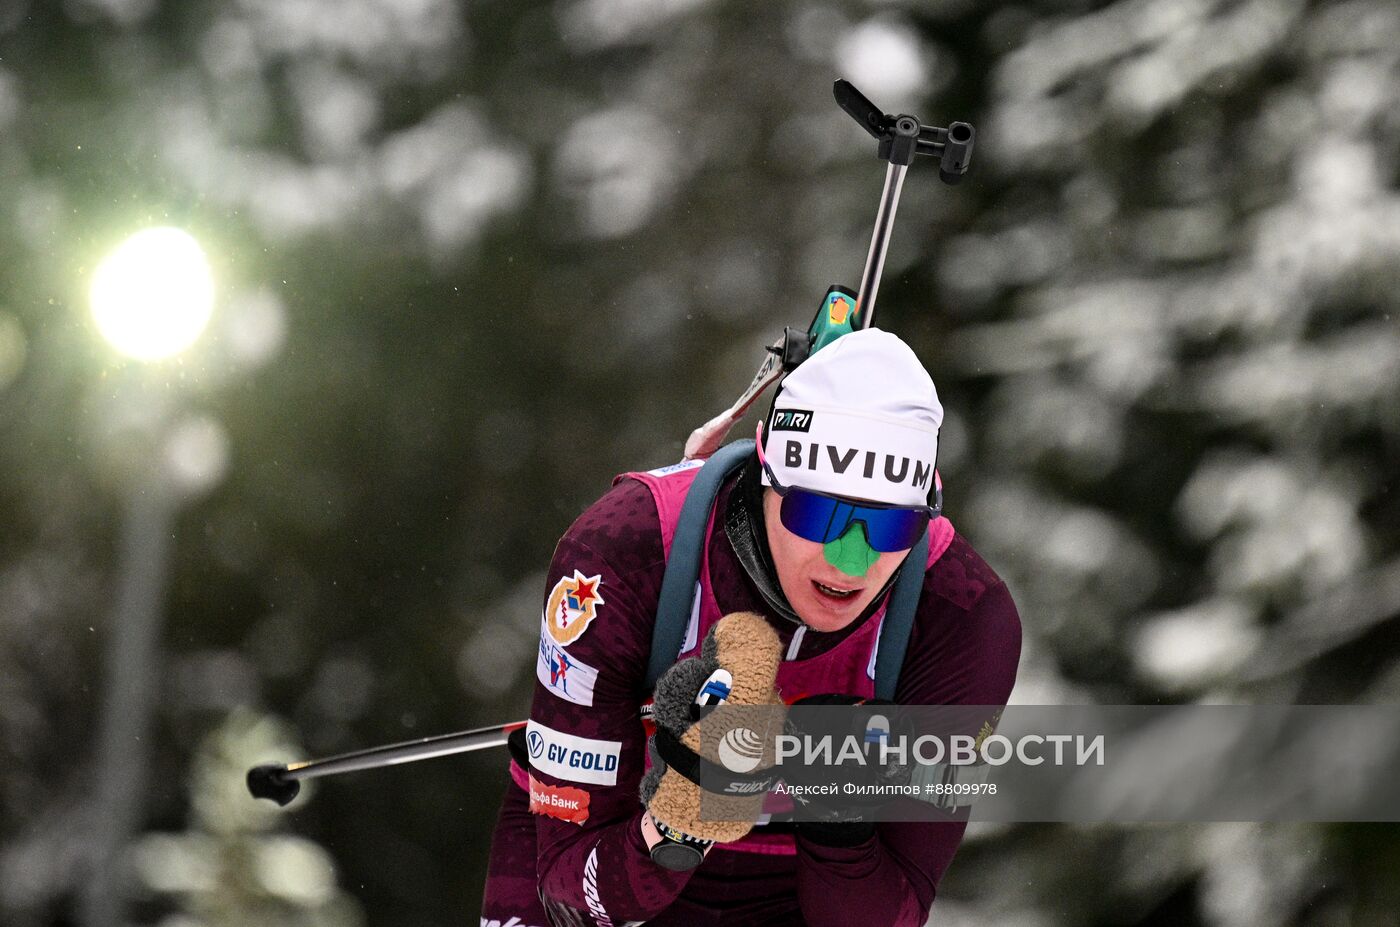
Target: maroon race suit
[(572, 834)]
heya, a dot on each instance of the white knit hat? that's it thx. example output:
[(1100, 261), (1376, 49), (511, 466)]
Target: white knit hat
[(859, 418)]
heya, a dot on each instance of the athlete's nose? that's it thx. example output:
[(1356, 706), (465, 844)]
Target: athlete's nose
[(851, 553)]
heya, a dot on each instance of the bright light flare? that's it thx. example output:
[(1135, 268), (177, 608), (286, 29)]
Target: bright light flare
[(152, 296)]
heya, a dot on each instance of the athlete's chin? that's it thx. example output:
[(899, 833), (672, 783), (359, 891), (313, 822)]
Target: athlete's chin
[(824, 624), (820, 614)]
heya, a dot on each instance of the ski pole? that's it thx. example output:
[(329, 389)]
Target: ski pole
[(281, 783)]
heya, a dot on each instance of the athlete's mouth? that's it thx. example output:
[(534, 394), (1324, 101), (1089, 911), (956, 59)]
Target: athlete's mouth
[(834, 592)]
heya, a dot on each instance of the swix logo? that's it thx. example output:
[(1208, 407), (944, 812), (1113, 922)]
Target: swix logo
[(792, 420), (746, 788), (839, 460)]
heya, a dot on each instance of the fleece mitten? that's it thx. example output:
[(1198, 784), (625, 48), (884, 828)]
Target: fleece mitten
[(725, 740)]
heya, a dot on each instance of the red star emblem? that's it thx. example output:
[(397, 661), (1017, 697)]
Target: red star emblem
[(583, 591)]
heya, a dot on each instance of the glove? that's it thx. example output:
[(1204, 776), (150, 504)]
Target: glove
[(843, 824), (717, 719), (836, 833)]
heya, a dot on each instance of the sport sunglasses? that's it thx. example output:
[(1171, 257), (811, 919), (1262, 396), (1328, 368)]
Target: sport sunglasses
[(821, 517)]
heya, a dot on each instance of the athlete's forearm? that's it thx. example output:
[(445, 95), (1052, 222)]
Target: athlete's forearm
[(607, 871), (871, 882)]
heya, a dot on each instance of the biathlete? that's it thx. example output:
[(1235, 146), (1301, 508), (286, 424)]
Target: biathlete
[(811, 533)]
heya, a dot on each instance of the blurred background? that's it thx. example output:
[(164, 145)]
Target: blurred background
[(464, 261)]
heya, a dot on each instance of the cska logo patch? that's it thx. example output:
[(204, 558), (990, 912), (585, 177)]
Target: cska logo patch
[(572, 605)]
